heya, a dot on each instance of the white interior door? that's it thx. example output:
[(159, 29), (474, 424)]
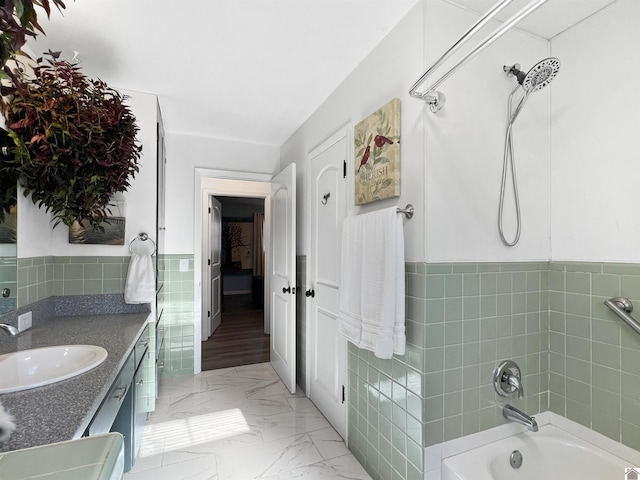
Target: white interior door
[(283, 276), (215, 256), (327, 348)]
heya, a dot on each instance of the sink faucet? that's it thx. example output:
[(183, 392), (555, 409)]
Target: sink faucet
[(512, 413), (11, 330)]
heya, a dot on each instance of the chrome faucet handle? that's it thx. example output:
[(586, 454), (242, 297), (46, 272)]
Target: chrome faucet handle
[(515, 383), (507, 379)]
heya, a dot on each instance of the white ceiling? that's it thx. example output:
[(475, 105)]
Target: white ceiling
[(246, 70), (552, 18)]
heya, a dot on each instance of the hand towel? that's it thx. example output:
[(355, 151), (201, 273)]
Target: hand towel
[(372, 288), (140, 285)]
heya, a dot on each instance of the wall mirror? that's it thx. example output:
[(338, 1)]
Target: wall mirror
[(8, 262)]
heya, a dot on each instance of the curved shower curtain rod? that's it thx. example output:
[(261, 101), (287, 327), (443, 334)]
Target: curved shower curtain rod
[(437, 99)]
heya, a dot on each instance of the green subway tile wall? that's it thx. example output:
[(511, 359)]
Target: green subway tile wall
[(594, 377), (577, 358), (178, 316), (462, 319), (9, 277), (43, 277)]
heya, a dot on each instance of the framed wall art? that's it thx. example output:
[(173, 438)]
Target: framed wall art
[(377, 155), (237, 245), (112, 231)]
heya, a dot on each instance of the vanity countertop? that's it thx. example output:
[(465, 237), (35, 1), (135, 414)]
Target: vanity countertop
[(62, 411)]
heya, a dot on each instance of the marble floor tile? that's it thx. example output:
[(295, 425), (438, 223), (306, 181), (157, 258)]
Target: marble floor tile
[(287, 424), (299, 403), (341, 468), (203, 468), (329, 443), (268, 459), (239, 423)]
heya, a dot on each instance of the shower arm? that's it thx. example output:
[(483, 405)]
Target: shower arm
[(436, 99)]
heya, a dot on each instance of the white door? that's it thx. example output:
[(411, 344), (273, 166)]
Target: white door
[(214, 264), (283, 276), (327, 348)]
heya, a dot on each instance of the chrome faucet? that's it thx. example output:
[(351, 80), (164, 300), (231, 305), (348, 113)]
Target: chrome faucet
[(512, 413), (11, 330), (514, 381), (507, 379)]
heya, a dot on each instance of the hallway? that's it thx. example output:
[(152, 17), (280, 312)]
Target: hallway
[(239, 424), (240, 338)]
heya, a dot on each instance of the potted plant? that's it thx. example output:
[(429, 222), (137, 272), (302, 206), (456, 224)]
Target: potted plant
[(73, 140), (18, 21)]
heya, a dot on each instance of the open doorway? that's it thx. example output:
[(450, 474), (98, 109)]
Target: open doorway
[(241, 337), (279, 192)]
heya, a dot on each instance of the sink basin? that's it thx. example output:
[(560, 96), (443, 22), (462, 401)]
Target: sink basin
[(41, 366)]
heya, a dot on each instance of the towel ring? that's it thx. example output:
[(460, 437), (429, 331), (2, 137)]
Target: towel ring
[(143, 237)]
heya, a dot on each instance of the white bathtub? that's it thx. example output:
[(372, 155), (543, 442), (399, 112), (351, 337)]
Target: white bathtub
[(560, 450)]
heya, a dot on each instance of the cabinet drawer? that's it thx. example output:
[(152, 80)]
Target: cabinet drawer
[(141, 347), (160, 361), (109, 409), (160, 333)]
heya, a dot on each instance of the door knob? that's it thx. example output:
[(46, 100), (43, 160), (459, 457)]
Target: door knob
[(310, 293), (286, 290)]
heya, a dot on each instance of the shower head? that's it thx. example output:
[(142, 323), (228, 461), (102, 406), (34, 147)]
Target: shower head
[(540, 75)]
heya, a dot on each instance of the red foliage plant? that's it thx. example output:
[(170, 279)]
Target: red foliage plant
[(75, 140), (19, 20)]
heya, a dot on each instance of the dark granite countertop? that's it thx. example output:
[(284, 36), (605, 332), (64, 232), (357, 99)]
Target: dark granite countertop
[(63, 410)]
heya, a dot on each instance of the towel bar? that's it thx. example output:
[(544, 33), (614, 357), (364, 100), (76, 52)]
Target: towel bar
[(143, 237), (408, 211)]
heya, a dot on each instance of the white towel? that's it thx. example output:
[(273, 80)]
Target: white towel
[(140, 285), (372, 289)]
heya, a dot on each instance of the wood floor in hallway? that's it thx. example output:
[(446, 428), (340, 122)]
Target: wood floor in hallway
[(240, 338)]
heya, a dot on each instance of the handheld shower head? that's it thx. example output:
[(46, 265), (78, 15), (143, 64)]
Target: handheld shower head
[(535, 79), (540, 75)]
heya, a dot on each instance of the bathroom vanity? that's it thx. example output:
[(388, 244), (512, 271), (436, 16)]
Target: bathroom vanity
[(73, 408)]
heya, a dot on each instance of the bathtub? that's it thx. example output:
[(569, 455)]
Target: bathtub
[(560, 450)]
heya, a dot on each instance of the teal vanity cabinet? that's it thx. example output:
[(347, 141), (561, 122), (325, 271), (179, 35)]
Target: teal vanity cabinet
[(117, 400), (144, 390), (160, 334), (129, 401)]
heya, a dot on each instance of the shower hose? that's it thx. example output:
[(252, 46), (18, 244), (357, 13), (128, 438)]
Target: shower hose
[(509, 162)]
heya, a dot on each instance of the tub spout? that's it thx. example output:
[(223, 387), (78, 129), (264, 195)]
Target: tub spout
[(512, 413)]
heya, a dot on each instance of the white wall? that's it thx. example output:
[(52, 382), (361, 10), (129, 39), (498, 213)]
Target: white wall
[(595, 139), (387, 72), (35, 234), (465, 142), (34, 229), (185, 153), (451, 161)]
